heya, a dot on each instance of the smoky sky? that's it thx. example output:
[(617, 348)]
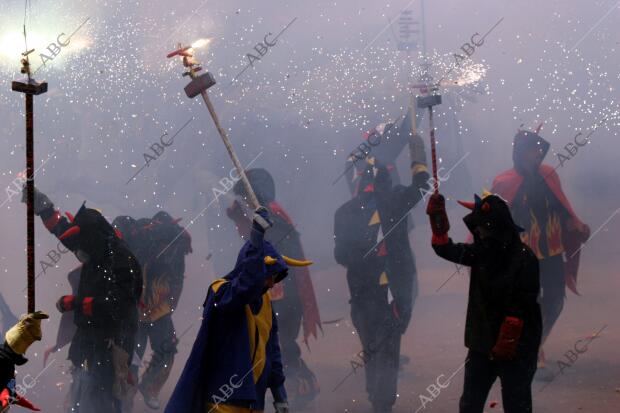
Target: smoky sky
[(299, 110)]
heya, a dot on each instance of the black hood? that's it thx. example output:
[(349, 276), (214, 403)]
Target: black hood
[(262, 183), (374, 177), (493, 213), (95, 235), (127, 226), (522, 143)]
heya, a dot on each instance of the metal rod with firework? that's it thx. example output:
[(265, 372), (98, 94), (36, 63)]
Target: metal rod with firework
[(428, 100), (198, 86), (29, 87)]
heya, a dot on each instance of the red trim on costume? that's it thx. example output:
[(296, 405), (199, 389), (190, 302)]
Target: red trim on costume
[(67, 302), (382, 252), (311, 318), (440, 239), (87, 306), (70, 216), (74, 230), (51, 222), (369, 188)]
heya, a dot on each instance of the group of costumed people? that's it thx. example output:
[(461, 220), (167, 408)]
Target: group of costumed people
[(522, 255)]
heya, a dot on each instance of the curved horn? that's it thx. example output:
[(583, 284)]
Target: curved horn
[(270, 260), (467, 204), (70, 216), (296, 263), (74, 230)]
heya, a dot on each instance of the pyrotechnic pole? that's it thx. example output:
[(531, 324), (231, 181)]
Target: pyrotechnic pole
[(30, 88), (199, 86)]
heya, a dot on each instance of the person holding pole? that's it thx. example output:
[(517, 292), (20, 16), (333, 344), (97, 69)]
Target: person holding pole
[(17, 340), (372, 243), (105, 309), (503, 324), (236, 357)]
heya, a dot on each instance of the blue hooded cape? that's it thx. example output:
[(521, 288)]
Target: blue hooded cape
[(220, 366)]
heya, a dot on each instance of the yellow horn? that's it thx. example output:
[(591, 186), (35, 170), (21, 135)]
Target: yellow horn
[(296, 263), (270, 260), (485, 193)]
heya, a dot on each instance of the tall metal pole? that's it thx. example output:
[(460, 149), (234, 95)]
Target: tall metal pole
[(30, 200), (30, 88)]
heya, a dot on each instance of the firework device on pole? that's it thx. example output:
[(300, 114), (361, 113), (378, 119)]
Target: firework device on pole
[(29, 87), (198, 86), (429, 99)]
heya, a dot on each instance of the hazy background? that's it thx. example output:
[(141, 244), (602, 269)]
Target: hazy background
[(334, 73)]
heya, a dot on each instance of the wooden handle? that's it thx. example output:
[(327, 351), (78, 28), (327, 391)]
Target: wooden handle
[(231, 152)]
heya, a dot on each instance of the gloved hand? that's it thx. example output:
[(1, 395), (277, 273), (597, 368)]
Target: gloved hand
[(281, 407), (509, 334), (41, 201), (25, 332), (417, 152), (436, 210), (67, 303), (6, 400), (260, 224)]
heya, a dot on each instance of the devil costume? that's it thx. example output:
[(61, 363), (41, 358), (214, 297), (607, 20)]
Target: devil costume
[(552, 229), (236, 356), (372, 242), (503, 325), (105, 309), (163, 246), (293, 299)]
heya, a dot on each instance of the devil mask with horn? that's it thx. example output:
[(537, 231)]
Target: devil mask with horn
[(90, 234), (490, 219)]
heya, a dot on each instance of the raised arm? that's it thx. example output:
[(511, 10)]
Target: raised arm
[(442, 244)]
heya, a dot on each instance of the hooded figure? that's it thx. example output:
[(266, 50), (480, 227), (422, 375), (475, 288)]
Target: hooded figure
[(503, 325), (236, 356), (161, 245), (372, 242), (551, 228), (293, 299), (105, 308)]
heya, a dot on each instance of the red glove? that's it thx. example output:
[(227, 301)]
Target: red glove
[(436, 210), (72, 302), (508, 340), (65, 303), (6, 400)]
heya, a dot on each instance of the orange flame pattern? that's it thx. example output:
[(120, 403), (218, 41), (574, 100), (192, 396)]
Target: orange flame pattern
[(534, 237), (554, 235)]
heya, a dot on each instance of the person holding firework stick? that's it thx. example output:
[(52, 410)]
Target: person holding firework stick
[(504, 325)]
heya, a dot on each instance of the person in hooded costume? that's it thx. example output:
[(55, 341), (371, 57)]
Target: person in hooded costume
[(293, 299), (17, 339), (236, 356), (552, 229), (503, 324), (372, 242), (163, 245), (105, 309)]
